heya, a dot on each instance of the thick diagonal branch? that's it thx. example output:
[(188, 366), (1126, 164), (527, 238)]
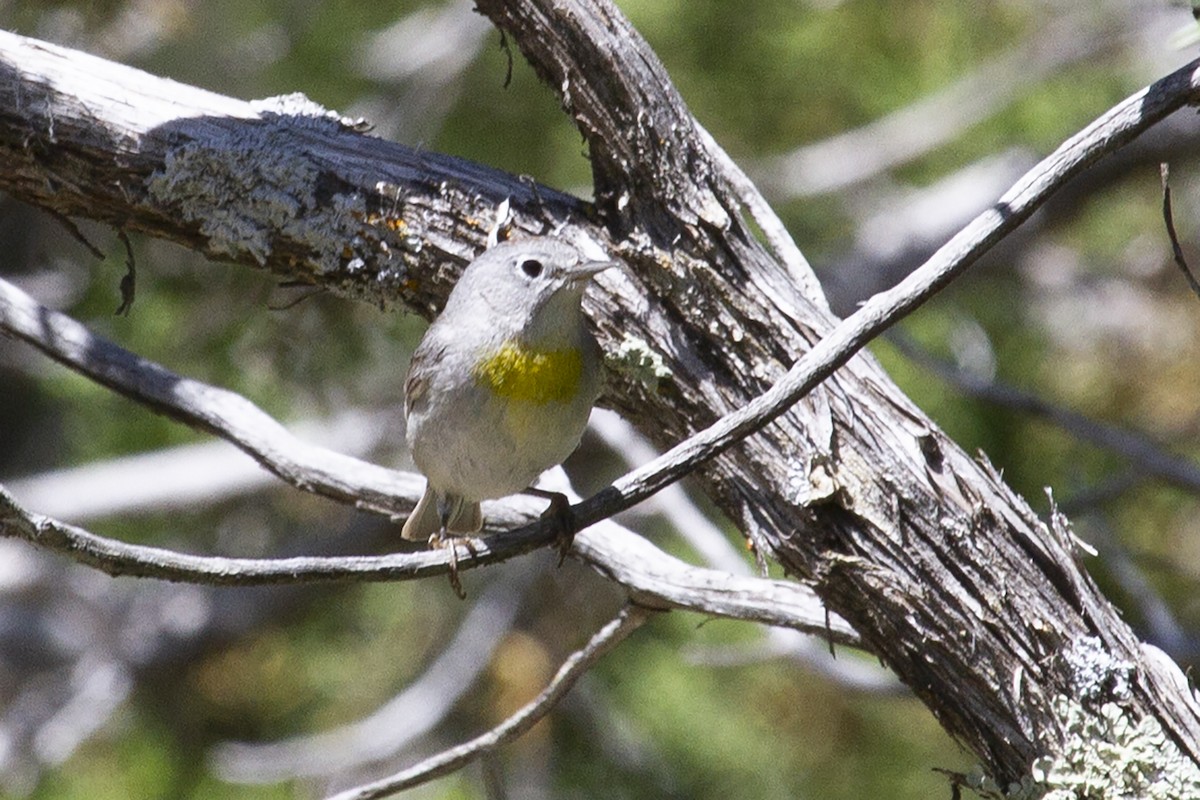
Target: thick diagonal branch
[(935, 560)]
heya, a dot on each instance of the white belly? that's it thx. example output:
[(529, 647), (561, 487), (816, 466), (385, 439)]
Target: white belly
[(493, 447)]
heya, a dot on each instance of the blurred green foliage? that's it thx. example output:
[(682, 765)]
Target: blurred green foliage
[(1086, 312)]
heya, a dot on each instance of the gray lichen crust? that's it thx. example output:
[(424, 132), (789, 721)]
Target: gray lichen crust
[(247, 187), (1109, 755), (637, 360)]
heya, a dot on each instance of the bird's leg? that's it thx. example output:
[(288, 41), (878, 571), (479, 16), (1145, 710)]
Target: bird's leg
[(559, 513), (444, 539), (441, 540)]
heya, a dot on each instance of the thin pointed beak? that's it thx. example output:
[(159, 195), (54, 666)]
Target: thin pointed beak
[(586, 270)]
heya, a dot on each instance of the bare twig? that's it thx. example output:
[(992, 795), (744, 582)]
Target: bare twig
[(642, 564), (413, 712), (1109, 132), (1148, 455), (626, 622), (76, 234), (649, 574), (1169, 220), (218, 411), (614, 551), (120, 558), (129, 279)]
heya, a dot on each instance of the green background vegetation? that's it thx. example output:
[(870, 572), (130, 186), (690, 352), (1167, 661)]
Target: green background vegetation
[(1085, 310)]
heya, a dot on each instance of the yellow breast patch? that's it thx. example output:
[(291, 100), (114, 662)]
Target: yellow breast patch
[(519, 372)]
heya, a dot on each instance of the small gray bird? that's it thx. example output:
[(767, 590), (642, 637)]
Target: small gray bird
[(501, 385)]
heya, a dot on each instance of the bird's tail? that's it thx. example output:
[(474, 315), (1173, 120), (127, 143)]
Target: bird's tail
[(433, 514)]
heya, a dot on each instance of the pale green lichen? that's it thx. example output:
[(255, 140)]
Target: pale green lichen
[(1106, 756), (1109, 755), (636, 360), (1095, 672)]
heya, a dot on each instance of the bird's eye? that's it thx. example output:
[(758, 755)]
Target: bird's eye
[(531, 267)]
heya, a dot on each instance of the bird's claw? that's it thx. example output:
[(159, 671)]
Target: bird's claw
[(559, 513), (444, 541)]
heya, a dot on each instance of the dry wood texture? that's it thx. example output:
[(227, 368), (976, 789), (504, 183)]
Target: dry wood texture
[(978, 605)]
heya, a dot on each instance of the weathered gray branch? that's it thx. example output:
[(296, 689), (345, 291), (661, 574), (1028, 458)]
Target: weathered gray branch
[(649, 574), (643, 569), (978, 606), (937, 562), (279, 184)]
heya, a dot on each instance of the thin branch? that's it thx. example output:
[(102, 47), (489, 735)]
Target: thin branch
[(1176, 248), (625, 623), (129, 280), (649, 574), (423, 704), (76, 234), (1109, 132), (120, 558), (1150, 456), (654, 575), (208, 408)]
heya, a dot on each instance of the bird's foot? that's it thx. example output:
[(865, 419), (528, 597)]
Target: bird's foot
[(446, 541), (559, 514)]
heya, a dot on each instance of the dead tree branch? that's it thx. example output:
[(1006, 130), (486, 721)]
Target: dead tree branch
[(951, 578)]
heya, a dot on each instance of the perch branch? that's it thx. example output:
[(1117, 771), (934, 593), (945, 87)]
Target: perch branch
[(1109, 132), (647, 572)]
